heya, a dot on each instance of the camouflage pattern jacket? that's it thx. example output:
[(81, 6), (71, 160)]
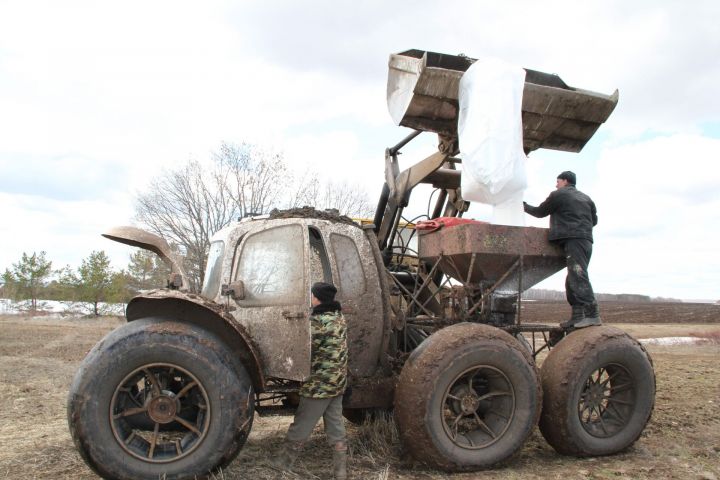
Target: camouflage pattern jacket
[(329, 353)]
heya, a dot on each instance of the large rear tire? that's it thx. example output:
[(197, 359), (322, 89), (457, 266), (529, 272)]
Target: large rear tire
[(159, 399), (467, 398), (598, 392)]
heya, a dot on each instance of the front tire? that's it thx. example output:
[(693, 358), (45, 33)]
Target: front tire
[(467, 398), (159, 399), (599, 392)]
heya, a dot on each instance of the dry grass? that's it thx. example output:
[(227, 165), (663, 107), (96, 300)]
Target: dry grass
[(712, 336), (38, 358)]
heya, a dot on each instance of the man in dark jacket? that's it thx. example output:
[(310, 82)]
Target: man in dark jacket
[(322, 394), (572, 218)]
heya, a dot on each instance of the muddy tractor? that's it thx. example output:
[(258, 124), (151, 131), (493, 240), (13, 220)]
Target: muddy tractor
[(435, 327)]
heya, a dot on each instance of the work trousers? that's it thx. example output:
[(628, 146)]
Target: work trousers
[(309, 412), (578, 290)]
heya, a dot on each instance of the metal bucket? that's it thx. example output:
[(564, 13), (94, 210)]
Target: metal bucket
[(422, 93)]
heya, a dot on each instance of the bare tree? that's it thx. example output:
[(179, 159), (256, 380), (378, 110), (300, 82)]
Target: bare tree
[(187, 206), (254, 178), (304, 191), (349, 199)]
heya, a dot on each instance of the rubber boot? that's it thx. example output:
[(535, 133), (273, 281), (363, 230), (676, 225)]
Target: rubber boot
[(592, 316), (592, 311), (578, 315), (340, 461), (286, 456)]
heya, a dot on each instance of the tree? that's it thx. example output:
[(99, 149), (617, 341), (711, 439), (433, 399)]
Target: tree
[(254, 178), (188, 205), (27, 277), (347, 198), (96, 281), (146, 271)]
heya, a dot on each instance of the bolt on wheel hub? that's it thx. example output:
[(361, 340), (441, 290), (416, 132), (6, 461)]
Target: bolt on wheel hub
[(469, 403), (162, 409)]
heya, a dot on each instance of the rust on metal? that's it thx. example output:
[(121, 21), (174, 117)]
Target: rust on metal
[(140, 238), (480, 252)]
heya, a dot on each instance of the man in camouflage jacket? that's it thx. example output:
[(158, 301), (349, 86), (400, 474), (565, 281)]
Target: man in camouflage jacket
[(322, 394)]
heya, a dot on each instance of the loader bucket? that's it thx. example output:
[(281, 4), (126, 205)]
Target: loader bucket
[(508, 259), (422, 93)]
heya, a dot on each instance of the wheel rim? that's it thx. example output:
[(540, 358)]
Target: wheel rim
[(159, 413), (478, 407), (607, 401)]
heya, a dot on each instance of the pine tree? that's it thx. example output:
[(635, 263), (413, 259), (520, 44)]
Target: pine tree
[(96, 282), (27, 277), (146, 271)]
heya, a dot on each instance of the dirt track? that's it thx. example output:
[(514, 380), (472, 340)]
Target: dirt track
[(38, 358)]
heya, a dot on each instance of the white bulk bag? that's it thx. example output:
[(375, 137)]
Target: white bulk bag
[(490, 136)]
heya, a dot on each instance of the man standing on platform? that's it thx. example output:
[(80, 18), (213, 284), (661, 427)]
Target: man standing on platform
[(572, 218)]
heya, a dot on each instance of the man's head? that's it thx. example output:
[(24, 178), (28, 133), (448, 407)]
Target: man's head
[(322, 293), (564, 179)]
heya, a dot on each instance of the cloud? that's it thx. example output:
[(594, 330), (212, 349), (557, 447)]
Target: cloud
[(64, 177), (98, 98), (67, 230), (658, 204)]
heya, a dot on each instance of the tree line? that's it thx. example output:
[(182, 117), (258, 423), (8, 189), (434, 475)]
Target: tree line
[(93, 284)]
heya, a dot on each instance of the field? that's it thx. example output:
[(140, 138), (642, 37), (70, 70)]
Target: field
[(38, 357)]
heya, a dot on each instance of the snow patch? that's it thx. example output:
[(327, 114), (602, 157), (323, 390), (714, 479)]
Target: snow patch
[(672, 341), (10, 307)]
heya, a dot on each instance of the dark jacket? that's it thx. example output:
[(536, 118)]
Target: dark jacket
[(572, 214), (329, 353)]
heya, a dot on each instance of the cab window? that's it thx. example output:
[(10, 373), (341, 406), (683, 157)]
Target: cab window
[(271, 266), (211, 284), (352, 276), (319, 263)]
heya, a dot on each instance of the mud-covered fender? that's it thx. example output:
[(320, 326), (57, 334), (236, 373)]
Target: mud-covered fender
[(198, 310)]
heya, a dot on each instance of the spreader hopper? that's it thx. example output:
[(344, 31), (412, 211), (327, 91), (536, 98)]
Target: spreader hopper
[(503, 258)]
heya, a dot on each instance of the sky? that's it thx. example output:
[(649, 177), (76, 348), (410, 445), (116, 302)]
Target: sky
[(97, 98)]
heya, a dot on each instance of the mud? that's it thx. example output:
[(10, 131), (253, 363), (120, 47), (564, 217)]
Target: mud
[(38, 359), (310, 212)]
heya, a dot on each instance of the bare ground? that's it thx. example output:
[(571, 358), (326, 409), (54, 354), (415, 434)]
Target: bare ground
[(38, 358)]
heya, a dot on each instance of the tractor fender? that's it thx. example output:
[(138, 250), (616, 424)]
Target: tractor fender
[(195, 309)]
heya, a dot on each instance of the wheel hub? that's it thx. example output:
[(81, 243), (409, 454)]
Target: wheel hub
[(163, 408), (469, 403), (596, 394)]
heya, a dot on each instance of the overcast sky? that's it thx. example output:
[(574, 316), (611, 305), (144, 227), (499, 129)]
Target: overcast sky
[(96, 98)]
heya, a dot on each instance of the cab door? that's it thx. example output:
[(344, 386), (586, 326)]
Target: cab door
[(360, 294), (271, 262)]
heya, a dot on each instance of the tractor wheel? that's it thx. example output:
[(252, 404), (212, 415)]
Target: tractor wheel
[(599, 392), (159, 399), (467, 398)]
